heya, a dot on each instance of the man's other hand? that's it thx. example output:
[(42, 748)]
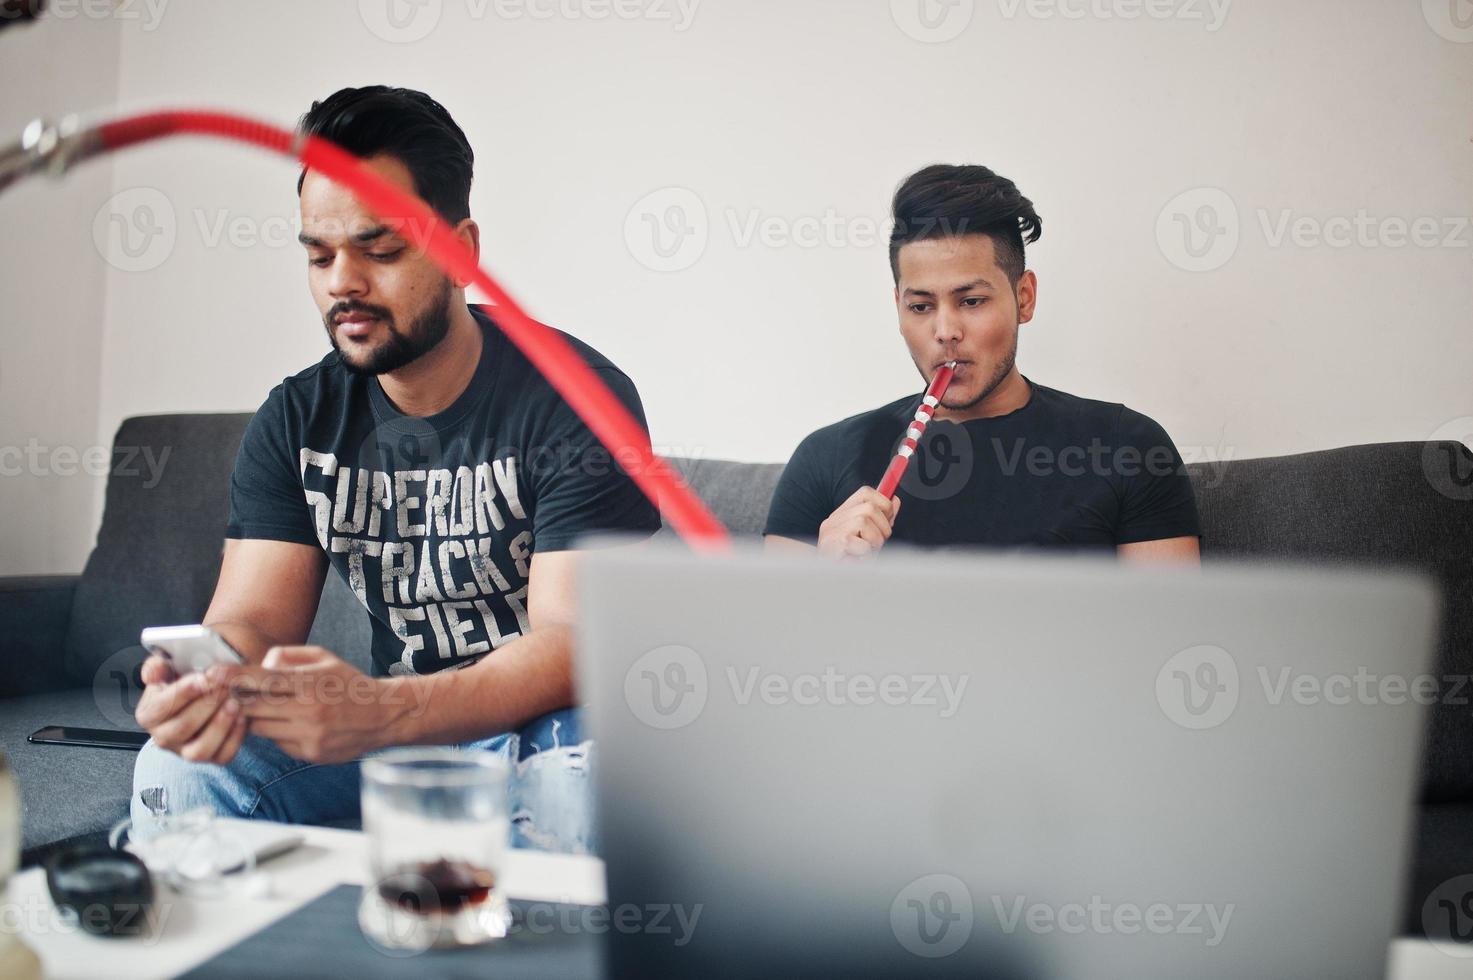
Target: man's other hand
[(316, 706)]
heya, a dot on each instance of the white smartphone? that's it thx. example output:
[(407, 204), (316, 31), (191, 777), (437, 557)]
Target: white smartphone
[(190, 648)]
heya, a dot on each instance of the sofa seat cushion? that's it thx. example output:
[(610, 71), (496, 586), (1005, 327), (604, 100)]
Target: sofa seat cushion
[(65, 790)]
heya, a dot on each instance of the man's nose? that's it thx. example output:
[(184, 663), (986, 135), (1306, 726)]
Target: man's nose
[(948, 328), (346, 279)]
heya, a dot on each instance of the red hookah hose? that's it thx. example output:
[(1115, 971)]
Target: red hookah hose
[(568, 374), (936, 391)]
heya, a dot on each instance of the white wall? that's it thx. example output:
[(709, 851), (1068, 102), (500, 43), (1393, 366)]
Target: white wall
[(51, 282), (780, 111)]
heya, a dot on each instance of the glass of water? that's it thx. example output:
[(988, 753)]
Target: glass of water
[(438, 829)]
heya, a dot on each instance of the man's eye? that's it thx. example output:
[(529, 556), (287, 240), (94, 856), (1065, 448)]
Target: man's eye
[(920, 307), (319, 262), (974, 300), (386, 256)]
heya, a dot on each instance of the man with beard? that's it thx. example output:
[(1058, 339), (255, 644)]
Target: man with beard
[(1007, 463), (428, 463)]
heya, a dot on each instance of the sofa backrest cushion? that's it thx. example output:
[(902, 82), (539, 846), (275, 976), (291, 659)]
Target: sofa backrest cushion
[(163, 527), (163, 530), (1406, 504), (737, 493), (158, 552)]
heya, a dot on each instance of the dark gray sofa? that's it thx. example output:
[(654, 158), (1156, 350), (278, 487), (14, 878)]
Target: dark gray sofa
[(70, 641)]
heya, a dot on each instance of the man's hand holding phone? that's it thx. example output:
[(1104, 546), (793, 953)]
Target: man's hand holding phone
[(186, 704), (192, 715), (313, 704)]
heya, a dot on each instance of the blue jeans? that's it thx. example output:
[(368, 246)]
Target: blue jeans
[(551, 791)]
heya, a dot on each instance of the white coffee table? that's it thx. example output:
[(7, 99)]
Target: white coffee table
[(193, 930)]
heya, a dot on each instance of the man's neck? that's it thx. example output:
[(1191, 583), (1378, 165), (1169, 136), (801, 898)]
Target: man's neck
[(1009, 396), (434, 381)]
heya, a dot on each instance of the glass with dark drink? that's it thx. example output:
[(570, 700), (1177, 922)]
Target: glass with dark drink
[(438, 830)]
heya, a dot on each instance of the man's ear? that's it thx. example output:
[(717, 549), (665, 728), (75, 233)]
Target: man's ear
[(469, 234), (1026, 295)]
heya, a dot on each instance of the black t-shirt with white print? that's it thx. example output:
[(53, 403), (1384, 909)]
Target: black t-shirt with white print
[(433, 521), (1061, 473)]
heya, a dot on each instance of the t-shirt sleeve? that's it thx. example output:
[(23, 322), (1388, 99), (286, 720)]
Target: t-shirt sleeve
[(580, 487), (266, 498), (803, 499), (1157, 498)]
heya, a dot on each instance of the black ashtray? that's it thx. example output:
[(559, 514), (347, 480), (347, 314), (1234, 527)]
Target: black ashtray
[(106, 892)]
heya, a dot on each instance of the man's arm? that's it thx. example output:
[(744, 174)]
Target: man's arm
[(1158, 519), (319, 708), (1179, 551), (267, 595), (1184, 551), (508, 687)]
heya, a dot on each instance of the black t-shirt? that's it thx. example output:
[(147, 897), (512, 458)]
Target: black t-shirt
[(1062, 472), (433, 521)]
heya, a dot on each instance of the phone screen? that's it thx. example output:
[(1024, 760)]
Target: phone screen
[(95, 737)]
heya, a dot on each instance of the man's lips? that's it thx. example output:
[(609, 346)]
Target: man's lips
[(356, 325)]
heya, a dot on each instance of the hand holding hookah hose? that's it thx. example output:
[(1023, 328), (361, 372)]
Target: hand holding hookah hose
[(55, 148)]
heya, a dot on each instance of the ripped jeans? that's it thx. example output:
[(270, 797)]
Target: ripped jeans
[(551, 788)]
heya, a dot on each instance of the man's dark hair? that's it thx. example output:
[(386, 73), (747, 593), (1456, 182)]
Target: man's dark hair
[(407, 125), (946, 201)]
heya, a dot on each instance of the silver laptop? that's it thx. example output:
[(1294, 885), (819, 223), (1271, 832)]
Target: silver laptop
[(964, 765)]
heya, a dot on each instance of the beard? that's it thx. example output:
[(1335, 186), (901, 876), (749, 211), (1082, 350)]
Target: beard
[(401, 349), (999, 374)]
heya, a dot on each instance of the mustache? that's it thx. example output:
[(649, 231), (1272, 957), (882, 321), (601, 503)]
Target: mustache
[(342, 309)]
